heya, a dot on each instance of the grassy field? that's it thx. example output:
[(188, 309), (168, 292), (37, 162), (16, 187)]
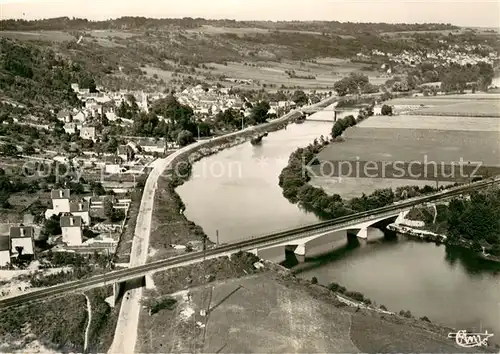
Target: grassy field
[(392, 144), (417, 121), (476, 108), (445, 100), (51, 36), (268, 312)]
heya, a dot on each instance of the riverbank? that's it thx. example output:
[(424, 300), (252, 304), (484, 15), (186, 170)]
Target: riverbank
[(430, 236), (204, 309), (417, 233)]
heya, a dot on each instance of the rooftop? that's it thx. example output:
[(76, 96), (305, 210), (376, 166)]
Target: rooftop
[(60, 194), (78, 205), (71, 221), (22, 231)]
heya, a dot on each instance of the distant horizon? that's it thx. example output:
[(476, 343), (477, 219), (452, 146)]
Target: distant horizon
[(486, 12)]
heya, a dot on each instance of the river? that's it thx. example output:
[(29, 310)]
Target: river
[(235, 194)]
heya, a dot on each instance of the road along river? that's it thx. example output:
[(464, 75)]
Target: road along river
[(235, 194)]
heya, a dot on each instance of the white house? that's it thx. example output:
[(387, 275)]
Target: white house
[(60, 202), (64, 116), (88, 133), (71, 227), (151, 145), (71, 128), (80, 116), (4, 250), (21, 240), (80, 208)]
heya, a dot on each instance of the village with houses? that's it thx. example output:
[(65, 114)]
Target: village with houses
[(93, 219)]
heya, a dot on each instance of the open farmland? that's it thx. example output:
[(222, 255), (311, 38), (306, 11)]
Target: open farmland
[(452, 123), (476, 108), (386, 144), (276, 73), (444, 99)]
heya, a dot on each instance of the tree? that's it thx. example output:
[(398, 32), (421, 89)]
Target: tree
[(260, 112), (52, 227), (29, 150), (108, 208), (300, 98), (337, 129), (349, 121), (8, 150), (184, 138), (230, 118), (386, 110), (353, 84)]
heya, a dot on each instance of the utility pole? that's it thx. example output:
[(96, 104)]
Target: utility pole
[(217, 235), (198, 132)]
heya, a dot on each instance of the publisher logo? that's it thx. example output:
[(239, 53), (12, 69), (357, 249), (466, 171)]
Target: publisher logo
[(470, 340)]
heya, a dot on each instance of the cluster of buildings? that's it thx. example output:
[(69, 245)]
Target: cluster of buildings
[(462, 55), (75, 216), (100, 104), (210, 101)]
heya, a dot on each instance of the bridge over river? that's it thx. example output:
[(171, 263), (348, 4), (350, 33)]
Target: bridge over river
[(300, 237)]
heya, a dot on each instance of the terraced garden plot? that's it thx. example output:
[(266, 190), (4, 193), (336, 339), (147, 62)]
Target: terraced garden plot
[(450, 123), (388, 144)]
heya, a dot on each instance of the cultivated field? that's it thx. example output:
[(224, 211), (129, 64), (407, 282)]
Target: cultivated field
[(271, 313), (452, 123), (445, 99), (476, 108), (392, 144), (275, 73)]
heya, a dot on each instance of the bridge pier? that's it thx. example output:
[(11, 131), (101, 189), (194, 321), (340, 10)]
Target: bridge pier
[(363, 233), (117, 288), (149, 283)]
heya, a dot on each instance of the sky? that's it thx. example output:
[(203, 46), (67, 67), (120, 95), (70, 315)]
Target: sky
[(473, 13)]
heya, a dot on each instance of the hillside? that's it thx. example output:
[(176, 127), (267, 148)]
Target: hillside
[(36, 75), (165, 54)]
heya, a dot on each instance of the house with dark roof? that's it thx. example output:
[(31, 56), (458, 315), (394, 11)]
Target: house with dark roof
[(80, 208), (60, 202), (71, 227), (4, 250), (21, 240)]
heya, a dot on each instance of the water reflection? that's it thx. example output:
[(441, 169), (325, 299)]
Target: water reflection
[(473, 264)]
